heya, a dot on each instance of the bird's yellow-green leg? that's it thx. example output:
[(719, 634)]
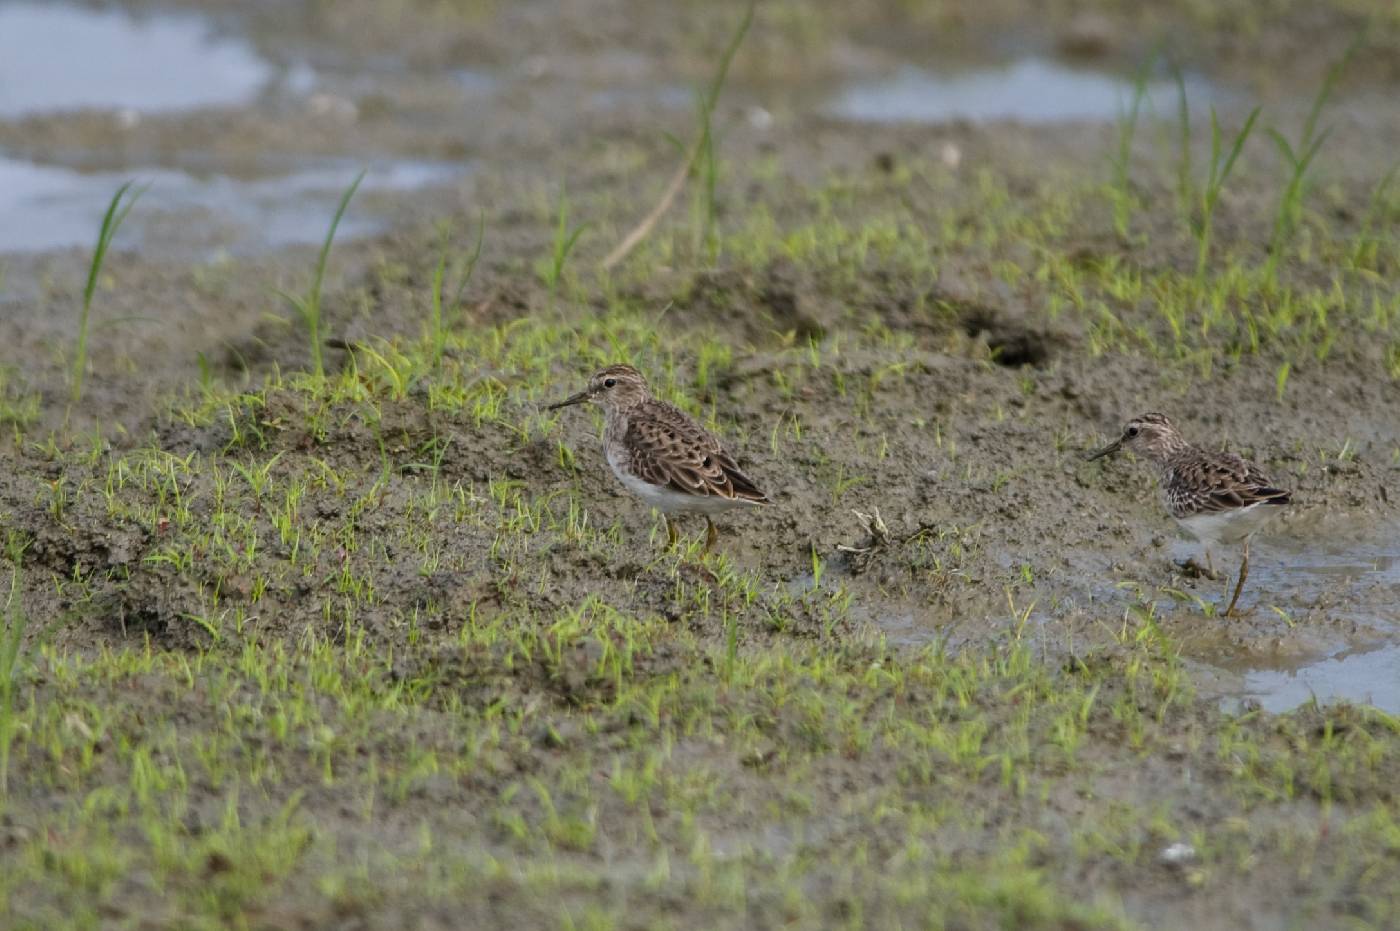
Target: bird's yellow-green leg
[(711, 534), (672, 537), (1239, 586)]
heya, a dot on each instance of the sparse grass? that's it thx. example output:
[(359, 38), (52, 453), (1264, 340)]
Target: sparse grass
[(640, 742), (462, 272), (19, 407), (11, 652), (1366, 249), (308, 305)]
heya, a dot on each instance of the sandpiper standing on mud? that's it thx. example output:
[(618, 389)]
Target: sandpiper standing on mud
[(1217, 497), (663, 456)]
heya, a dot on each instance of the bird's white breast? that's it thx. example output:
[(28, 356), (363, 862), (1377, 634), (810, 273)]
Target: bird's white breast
[(1228, 527)]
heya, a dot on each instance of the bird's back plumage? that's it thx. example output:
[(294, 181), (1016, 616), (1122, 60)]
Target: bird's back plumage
[(1197, 481)]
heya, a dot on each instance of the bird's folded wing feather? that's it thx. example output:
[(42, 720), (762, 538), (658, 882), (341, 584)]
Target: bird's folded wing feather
[(671, 450), (1224, 482)]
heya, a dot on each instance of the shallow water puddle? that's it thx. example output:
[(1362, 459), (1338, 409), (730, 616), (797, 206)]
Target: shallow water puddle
[(135, 63), (1377, 560), (1322, 619), (1355, 576), (46, 207), (1032, 90), (476, 83), (113, 60), (666, 96), (1370, 677), (1355, 579)]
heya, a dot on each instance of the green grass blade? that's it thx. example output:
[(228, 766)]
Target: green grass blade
[(1240, 139), (1185, 186), (310, 306), (438, 314), (1122, 159), (11, 646), (1325, 91), (736, 40), (117, 210)]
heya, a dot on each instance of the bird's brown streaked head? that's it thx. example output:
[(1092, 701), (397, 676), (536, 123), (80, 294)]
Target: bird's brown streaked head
[(1151, 435), (616, 387)]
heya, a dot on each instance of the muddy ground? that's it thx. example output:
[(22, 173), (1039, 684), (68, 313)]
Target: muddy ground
[(390, 648)]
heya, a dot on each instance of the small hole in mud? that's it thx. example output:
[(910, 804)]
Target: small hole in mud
[(1021, 349), (1009, 343)]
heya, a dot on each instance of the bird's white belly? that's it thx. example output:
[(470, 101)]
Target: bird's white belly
[(668, 500), (1229, 527)]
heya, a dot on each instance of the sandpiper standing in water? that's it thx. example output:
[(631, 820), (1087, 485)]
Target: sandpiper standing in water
[(1217, 497), (661, 455)]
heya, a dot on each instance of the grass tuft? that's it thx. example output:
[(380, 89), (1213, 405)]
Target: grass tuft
[(463, 271), (11, 649), (565, 238)]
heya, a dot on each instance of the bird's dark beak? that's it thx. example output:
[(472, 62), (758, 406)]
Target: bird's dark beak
[(1108, 450), (570, 400)]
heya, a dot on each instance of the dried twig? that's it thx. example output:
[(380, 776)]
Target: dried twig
[(880, 539), (640, 231), (859, 557)]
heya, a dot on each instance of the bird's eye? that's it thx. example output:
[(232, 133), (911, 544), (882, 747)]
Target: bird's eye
[(1132, 431), (609, 382)]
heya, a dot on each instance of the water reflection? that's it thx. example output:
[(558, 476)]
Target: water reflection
[(1032, 90), (46, 207), (57, 57), (1370, 677)]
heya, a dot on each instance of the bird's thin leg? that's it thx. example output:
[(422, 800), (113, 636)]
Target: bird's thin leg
[(671, 535), (1210, 564), (711, 534), (1239, 586)]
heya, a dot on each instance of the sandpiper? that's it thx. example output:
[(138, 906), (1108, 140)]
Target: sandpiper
[(1217, 497), (663, 456)]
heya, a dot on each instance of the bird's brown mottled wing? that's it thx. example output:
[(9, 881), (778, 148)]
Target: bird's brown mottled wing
[(1205, 482), (669, 449)]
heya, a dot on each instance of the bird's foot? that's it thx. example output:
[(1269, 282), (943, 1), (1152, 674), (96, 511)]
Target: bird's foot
[(711, 536), (1194, 570)]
